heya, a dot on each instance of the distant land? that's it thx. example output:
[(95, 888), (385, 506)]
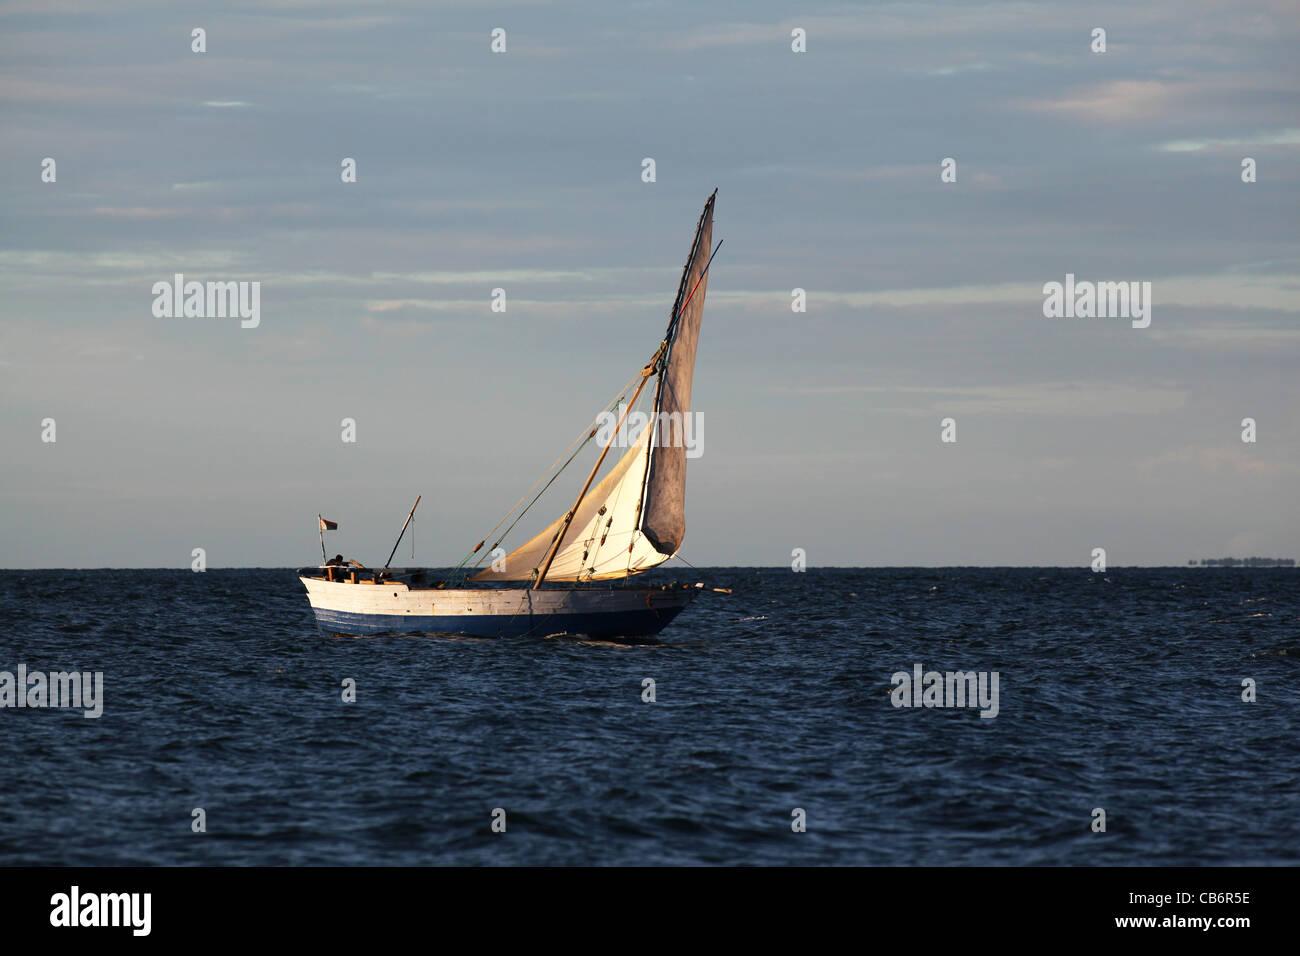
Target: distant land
[(1243, 563)]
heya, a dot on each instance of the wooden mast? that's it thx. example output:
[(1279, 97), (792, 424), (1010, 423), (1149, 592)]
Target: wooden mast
[(403, 531)]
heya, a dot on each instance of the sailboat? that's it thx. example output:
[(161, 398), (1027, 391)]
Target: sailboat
[(575, 575)]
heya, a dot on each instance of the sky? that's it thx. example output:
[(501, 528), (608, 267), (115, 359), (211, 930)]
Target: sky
[(523, 170)]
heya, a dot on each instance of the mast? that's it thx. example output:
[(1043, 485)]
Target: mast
[(403, 531)]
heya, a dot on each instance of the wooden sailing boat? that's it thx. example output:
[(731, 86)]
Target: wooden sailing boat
[(572, 576)]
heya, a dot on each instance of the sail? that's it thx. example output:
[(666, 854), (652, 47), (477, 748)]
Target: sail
[(635, 518), (596, 545), (664, 520)]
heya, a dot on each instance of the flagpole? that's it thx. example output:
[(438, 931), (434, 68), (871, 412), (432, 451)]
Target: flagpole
[(320, 527)]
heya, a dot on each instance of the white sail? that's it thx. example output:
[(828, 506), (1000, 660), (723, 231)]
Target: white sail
[(596, 546)]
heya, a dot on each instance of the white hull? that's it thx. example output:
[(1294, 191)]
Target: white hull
[(390, 606)]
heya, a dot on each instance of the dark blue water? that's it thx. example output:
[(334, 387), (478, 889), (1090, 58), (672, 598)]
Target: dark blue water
[(1120, 691)]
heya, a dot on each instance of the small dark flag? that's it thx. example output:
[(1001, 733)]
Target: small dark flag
[(328, 525)]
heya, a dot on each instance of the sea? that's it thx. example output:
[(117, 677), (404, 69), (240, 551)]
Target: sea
[(1140, 716)]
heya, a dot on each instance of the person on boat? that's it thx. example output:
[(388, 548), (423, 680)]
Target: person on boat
[(335, 561)]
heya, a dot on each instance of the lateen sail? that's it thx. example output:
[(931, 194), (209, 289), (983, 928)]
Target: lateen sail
[(664, 520), (611, 534)]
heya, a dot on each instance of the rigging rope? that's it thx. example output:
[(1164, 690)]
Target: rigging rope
[(581, 442)]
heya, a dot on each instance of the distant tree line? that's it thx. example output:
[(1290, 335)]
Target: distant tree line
[(1244, 562)]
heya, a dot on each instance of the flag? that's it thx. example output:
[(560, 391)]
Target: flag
[(328, 525)]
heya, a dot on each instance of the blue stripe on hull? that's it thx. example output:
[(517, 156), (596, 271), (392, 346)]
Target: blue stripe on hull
[(610, 624)]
